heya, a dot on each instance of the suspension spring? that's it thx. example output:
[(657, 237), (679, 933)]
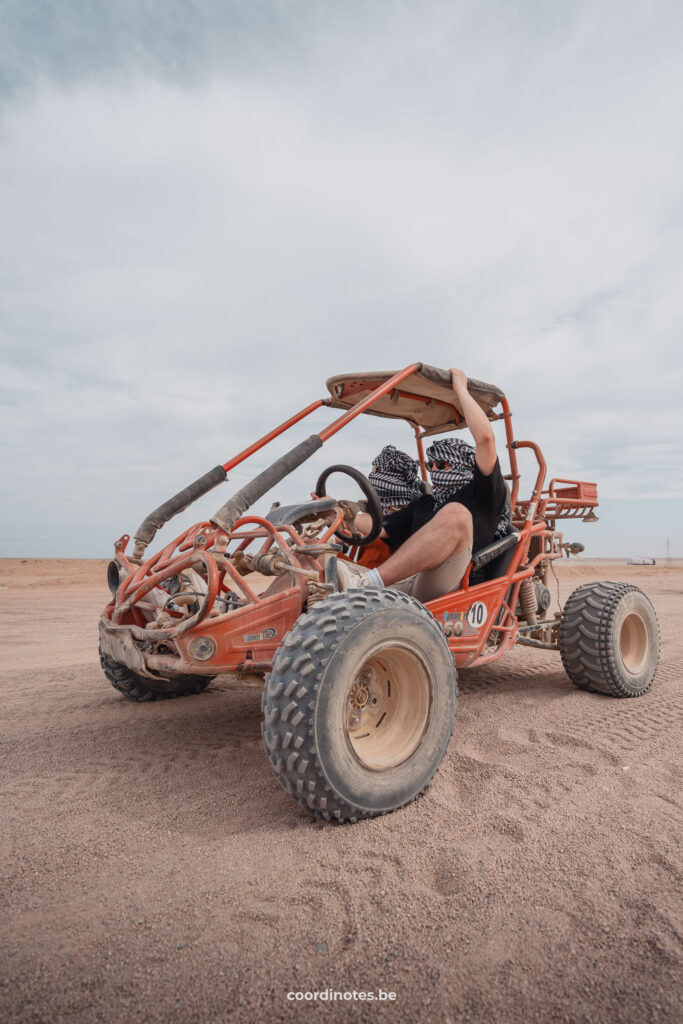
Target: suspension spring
[(528, 601)]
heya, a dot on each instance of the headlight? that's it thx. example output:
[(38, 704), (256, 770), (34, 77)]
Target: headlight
[(202, 648)]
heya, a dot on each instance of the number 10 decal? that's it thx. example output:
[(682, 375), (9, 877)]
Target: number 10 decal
[(477, 613)]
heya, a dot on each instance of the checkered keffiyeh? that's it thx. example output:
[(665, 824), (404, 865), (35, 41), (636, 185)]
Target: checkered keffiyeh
[(394, 477), (447, 482)]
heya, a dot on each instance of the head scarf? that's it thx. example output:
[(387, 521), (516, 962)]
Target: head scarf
[(394, 477), (447, 482)]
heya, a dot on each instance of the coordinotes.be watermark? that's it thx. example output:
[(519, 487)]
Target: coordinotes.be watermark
[(330, 995)]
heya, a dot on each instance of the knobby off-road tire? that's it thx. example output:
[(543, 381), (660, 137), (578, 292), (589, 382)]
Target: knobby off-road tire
[(140, 689), (609, 640), (359, 706)]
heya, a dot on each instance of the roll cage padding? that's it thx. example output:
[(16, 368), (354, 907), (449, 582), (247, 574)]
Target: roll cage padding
[(491, 551), (178, 503), (228, 514)]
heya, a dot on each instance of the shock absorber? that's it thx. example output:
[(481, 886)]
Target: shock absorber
[(528, 601)]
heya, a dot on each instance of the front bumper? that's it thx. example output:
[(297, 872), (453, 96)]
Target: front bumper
[(117, 643)]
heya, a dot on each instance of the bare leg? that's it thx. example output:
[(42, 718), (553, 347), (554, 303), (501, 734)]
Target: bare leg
[(448, 532)]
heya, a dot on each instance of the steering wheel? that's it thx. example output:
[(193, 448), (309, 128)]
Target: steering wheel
[(374, 506)]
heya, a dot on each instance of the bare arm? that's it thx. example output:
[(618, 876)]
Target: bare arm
[(478, 423), (363, 525)]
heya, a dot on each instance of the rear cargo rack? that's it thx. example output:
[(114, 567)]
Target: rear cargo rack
[(575, 499)]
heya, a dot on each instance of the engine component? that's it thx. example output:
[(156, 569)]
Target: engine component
[(543, 596), (191, 588), (270, 563)]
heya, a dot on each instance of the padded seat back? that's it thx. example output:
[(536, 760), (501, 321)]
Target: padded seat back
[(491, 562)]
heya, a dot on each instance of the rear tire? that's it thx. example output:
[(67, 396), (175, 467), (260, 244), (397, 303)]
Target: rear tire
[(141, 689), (609, 640), (359, 707)]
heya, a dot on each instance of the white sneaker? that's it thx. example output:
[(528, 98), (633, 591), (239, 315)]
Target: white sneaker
[(350, 576)]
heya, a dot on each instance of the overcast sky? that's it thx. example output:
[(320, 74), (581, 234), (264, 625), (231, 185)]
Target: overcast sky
[(209, 207)]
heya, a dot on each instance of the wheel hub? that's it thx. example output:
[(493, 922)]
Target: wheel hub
[(633, 642), (388, 708), (359, 696)]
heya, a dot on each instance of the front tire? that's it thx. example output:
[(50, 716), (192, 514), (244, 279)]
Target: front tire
[(141, 689), (609, 640), (359, 707)]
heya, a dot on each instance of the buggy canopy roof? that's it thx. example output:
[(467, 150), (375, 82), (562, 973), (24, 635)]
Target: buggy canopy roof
[(425, 399)]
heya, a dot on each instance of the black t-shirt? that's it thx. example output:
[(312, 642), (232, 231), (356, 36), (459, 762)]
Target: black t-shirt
[(484, 496)]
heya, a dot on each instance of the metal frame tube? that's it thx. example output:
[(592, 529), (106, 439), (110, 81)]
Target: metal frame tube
[(272, 434), (360, 407), (421, 455), (510, 438)]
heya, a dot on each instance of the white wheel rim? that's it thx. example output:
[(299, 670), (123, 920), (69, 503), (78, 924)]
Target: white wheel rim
[(388, 706), (634, 642)]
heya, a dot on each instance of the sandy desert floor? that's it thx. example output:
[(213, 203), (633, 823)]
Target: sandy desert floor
[(154, 870)]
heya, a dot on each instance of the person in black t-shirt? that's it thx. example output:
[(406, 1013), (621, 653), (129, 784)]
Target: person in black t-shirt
[(434, 535), (456, 477)]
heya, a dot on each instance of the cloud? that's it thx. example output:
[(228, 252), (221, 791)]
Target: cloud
[(206, 223)]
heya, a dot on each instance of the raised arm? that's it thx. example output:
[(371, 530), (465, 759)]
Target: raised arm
[(478, 423)]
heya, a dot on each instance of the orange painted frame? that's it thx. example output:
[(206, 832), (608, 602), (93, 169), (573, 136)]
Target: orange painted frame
[(495, 599)]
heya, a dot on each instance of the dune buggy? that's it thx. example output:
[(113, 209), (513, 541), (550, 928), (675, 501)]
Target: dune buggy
[(360, 687)]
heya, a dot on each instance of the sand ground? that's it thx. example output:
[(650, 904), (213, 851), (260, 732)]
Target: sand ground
[(154, 870)]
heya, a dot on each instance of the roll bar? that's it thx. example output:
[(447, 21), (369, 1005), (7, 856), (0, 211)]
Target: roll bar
[(228, 514)]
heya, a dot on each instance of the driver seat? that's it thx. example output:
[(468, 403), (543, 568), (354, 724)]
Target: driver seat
[(492, 561)]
